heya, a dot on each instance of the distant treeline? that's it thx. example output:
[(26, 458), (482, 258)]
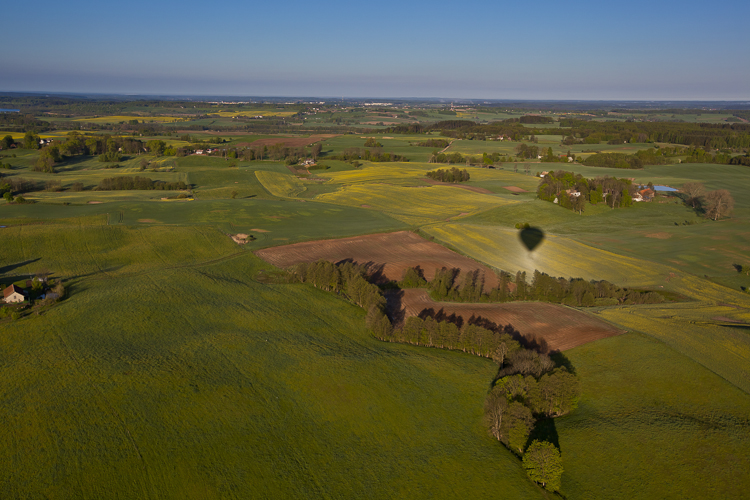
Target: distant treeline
[(707, 135), (18, 122), (434, 143), (544, 288), (530, 119), (452, 175), (124, 183)]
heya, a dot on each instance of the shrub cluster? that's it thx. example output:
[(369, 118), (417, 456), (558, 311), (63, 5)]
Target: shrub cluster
[(452, 175)]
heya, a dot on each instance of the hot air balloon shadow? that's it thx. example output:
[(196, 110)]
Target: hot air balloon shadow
[(531, 237)]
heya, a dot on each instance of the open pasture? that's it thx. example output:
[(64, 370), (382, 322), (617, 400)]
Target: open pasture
[(389, 255), (87, 246), (203, 383), (652, 424), (562, 328)]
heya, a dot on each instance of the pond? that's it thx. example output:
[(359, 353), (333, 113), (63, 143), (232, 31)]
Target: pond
[(664, 188)]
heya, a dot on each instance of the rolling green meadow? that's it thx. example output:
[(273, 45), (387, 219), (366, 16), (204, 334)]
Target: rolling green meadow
[(180, 365)]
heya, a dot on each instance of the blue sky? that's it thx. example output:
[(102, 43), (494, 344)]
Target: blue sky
[(470, 49)]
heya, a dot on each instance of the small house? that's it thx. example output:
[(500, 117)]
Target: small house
[(646, 194), (573, 192), (13, 295)]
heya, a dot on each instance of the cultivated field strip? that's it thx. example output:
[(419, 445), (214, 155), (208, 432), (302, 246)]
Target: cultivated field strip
[(557, 256), (281, 185), (431, 202), (390, 254), (561, 327)]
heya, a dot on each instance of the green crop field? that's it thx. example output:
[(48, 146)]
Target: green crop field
[(201, 382), (182, 366)]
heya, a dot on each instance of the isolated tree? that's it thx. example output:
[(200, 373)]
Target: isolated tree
[(719, 204), (693, 192), (30, 141), (7, 142), (543, 464), (495, 407), (316, 149)]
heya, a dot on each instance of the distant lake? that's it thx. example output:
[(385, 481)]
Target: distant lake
[(3, 110)]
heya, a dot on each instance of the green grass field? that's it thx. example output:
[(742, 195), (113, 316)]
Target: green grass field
[(175, 370), (200, 382)]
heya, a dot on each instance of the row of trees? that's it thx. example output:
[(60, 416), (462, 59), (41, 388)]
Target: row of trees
[(124, 183), (350, 280), (528, 385), (449, 175), (434, 143), (575, 292)]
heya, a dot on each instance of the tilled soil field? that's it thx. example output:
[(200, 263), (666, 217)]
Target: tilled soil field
[(387, 255), (561, 327)]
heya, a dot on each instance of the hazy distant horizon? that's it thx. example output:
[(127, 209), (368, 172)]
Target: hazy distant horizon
[(657, 50), (385, 99)]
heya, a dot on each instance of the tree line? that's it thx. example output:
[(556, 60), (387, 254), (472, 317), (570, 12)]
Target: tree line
[(125, 183), (576, 292), (452, 175), (527, 388)]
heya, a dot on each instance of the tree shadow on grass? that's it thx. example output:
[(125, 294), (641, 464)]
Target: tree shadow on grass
[(11, 267), (544, 430)]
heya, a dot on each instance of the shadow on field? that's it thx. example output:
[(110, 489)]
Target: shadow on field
[(11, 267), (545, 430), (561, 359), (74, 163)]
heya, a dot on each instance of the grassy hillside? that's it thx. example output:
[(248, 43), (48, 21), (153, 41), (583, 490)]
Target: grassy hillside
[(651, 424), (203, 383)]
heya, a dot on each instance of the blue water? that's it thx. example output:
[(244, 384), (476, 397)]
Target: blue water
[(664, 188), (3, 110)]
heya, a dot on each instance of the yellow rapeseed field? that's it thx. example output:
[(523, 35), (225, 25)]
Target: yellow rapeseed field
[(281, 185), (378, 172), (431, 203), (556, 256)]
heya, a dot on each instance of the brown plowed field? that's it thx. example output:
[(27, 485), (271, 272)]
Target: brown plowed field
[(388, 255), (561, 327)]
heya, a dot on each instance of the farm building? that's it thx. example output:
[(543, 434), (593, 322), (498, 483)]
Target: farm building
[(13, 295)]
